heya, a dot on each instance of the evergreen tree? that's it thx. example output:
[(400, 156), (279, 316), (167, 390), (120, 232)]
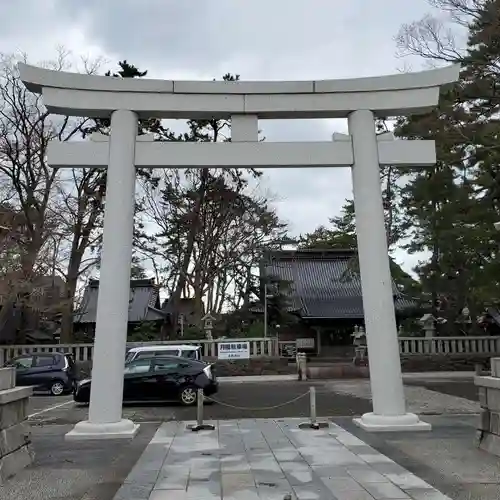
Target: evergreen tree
[(450, 208), (152, 125)]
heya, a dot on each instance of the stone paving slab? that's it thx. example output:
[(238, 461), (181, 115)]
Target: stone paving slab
[(267, 459)]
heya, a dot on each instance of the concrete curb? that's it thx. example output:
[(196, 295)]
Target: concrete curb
[(256, 378), (438, 375), (406, 376)]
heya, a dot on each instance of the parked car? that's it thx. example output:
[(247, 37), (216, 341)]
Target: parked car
[(160, 379), (55, 372), (186, 351)]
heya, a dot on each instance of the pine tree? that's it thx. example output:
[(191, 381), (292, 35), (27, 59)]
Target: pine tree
[(152, 125), (451, 208)]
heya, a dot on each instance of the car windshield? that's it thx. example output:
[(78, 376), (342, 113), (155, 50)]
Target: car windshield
[(149, 353)]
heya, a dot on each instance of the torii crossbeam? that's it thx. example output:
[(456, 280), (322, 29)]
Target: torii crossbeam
[(125, 101), (148, 154)]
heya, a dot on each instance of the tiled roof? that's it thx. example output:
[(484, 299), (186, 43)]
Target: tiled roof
[(144, 302), (322, 284)]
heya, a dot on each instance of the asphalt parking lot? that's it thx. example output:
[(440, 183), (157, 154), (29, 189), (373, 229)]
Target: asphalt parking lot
[(234, 400), (277, 399), (43, 403)]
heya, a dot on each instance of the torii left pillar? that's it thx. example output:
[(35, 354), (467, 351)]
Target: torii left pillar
[(105, 412)]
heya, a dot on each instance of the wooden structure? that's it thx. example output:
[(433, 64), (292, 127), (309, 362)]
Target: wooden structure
[(323, 288), (144, 306)]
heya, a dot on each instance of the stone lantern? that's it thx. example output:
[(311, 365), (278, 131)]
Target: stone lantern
[(428, 324), (208, 322), (359, 342)]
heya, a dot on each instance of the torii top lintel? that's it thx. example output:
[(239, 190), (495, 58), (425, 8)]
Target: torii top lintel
[(77, 94)]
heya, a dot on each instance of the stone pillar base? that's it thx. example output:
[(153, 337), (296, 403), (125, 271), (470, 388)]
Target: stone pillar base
[(488, 427), (85, 430), (408, 422)]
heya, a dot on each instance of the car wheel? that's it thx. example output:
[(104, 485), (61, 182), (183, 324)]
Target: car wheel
[(57, 388), (188, 395)]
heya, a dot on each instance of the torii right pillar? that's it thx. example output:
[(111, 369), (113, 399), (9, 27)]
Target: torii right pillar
[(389, 408)]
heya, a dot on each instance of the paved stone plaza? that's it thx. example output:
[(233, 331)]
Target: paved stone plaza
[(266, 459)]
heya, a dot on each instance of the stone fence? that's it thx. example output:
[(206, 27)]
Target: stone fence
[(259, 347), (449, 345), (417, 353)]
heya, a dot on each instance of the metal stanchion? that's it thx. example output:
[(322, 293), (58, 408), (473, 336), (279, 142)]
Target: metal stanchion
[(312, 403), (200, 426), (313, 423)]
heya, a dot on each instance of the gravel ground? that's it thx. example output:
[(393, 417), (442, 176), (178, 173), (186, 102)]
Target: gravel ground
[(91, 470), (463, 389), (419, 399)]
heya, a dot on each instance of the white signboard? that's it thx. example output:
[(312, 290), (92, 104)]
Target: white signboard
[(305, 343), (234, 350)]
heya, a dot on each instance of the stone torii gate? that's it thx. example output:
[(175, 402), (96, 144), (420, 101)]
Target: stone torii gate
[(244, 103)]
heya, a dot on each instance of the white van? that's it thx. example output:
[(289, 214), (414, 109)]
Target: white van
[(184, 351)]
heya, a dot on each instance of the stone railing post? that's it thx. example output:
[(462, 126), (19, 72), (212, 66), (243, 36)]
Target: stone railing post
[(16, 452), (488, 432)]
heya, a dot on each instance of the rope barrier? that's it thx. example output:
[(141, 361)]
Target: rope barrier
[(312, 424), (261, 408)]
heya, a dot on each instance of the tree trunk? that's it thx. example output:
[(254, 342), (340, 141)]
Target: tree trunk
[(68, 309), (24, 294), (80, 243), (198, 297)]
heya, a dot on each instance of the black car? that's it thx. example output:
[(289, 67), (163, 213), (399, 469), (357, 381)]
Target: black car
[(53, 371), (165, 378)]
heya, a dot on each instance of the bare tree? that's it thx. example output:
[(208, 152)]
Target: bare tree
[(26, 128), (237, 226), (441, 36), (178, 209), (235, 223), (80, 207)]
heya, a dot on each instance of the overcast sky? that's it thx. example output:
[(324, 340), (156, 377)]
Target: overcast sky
[(258, 39)]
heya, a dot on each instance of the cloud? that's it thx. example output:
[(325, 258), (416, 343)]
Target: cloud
[(259, 39)]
